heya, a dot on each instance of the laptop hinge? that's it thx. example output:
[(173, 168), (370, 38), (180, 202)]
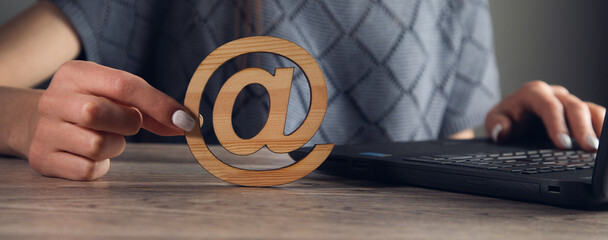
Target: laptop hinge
[(599, 180)]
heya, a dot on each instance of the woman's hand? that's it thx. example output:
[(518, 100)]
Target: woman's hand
[(84, 114), (563, 115)]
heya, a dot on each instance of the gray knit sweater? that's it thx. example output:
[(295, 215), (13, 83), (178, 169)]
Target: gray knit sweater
[(401, 70)]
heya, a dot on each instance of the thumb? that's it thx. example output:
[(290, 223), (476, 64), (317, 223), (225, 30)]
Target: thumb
[(498, 125)]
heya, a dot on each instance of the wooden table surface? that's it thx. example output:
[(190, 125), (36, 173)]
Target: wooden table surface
[(160, 191)]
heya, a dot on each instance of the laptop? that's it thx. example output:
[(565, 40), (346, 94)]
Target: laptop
[(536, 172)]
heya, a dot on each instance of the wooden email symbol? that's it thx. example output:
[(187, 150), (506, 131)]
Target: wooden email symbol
[(278, 86)]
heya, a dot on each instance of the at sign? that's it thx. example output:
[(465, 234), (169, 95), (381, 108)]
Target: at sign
[(278, 85)]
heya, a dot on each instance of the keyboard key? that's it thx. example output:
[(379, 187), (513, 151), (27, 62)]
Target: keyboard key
[(512, 157), (575, 165), (460, 157)]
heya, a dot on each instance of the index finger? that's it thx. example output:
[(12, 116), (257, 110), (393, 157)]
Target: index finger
[(540, 99), (125, 88)]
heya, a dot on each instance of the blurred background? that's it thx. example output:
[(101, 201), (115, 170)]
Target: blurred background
[(559, 41)]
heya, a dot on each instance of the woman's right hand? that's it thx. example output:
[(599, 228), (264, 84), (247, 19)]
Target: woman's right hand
[(85, 113), (88, 108)]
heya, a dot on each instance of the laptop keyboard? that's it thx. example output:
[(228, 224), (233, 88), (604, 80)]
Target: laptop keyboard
[(529, 162)]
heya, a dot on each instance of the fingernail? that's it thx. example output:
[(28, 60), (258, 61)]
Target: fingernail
[(182, 120), (565, 140), (592, 141), (495, 131)]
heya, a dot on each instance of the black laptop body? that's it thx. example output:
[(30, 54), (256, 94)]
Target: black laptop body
[(526, 172)]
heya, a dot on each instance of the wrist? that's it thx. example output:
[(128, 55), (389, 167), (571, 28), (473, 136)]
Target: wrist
[(19, 123)]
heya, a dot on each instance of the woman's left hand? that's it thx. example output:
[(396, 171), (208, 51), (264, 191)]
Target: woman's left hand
[(563, 115)]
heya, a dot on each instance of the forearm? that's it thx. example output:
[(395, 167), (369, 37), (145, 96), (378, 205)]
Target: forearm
[(465, 134), (34, 44), (17, 121)]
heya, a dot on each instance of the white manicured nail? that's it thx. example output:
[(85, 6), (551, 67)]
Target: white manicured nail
[(495, 131), (565, 140), (592, 141), (182, 120)]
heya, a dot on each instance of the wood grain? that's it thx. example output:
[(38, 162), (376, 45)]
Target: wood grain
[(272, 134), (160, 192)]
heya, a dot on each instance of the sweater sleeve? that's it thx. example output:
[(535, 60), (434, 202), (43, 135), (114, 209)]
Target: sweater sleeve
[(474, 88), (117, 34), (84, 22)]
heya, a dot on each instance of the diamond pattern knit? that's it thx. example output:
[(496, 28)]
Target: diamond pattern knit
[(402, 70)]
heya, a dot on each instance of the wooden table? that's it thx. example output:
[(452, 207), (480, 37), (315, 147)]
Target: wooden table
[(160, 191)]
